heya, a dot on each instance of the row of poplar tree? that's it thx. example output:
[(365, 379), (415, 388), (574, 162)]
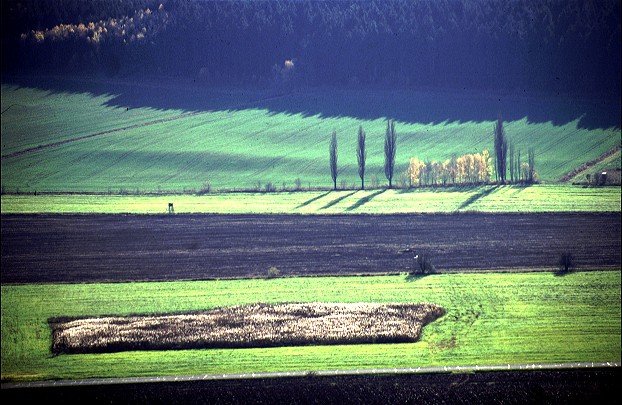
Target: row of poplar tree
[(390, 141), (469, 168)]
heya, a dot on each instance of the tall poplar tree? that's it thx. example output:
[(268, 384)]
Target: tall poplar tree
[(501, 150), (333, 159), (389, 151), (361, 155)]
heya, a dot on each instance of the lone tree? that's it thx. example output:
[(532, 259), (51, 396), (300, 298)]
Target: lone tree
[(389, 151), (501, 150), (566, 262), (361, 155), (333, 159), (424, 263)]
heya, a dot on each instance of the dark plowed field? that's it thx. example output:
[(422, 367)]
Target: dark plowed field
[(92, 248), (524, 387)]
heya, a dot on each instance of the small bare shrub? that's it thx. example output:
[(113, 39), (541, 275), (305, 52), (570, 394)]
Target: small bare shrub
[(206, 188), (269, 188), (298, 183), (374, 181), (423, 264), (274, 272), (403, 180)]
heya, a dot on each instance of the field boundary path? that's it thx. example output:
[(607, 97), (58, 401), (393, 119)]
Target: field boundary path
[(143, 124), (321, 373)]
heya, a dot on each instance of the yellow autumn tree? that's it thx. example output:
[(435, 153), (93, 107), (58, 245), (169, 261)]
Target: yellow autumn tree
[(486, 169), (468, 168), (415, 170), (460, 169)]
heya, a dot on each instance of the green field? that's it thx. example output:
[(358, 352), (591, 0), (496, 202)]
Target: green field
[(39, 115), (162, 143), (492, 318), (234, 143), (537, 198)]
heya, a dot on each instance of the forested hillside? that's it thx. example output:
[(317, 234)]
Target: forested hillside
[(561, 46)]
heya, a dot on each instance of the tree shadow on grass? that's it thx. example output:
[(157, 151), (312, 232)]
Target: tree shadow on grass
[(412, 278), (338, 200), (304, 204), (451, 188), (365, 200), (519, 188), (477, 196)]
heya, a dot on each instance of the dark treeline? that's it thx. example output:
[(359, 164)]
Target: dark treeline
[(567, 46)]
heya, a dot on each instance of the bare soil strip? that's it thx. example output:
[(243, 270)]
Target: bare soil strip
[(257, 325), (104, 248)]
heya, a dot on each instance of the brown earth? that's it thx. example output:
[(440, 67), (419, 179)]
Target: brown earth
[(97, 248)]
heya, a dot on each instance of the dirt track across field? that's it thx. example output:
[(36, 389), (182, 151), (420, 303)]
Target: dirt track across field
[(95, 248)]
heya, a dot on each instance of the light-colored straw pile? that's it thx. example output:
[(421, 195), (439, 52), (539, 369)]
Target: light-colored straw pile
[(257, 325)]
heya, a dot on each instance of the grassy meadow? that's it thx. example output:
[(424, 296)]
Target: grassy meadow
[(492, 318), (163, 143), (244, 139), (536, 198)]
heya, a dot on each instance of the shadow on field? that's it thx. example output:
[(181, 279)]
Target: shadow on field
[(561, 272), (304, 204), (405, 104), (458, 188), (365, 200), (519, 188), (477, 196), (412, 278), (338, 200)]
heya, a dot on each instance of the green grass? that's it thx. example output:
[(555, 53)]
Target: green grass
[(492, 318), (234, 144), (537, 198), (40, 115)]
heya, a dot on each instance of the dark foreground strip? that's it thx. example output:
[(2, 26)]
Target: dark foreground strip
[(321, 373)]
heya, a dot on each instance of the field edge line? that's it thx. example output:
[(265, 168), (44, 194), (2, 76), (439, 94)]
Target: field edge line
[(319, 373)]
